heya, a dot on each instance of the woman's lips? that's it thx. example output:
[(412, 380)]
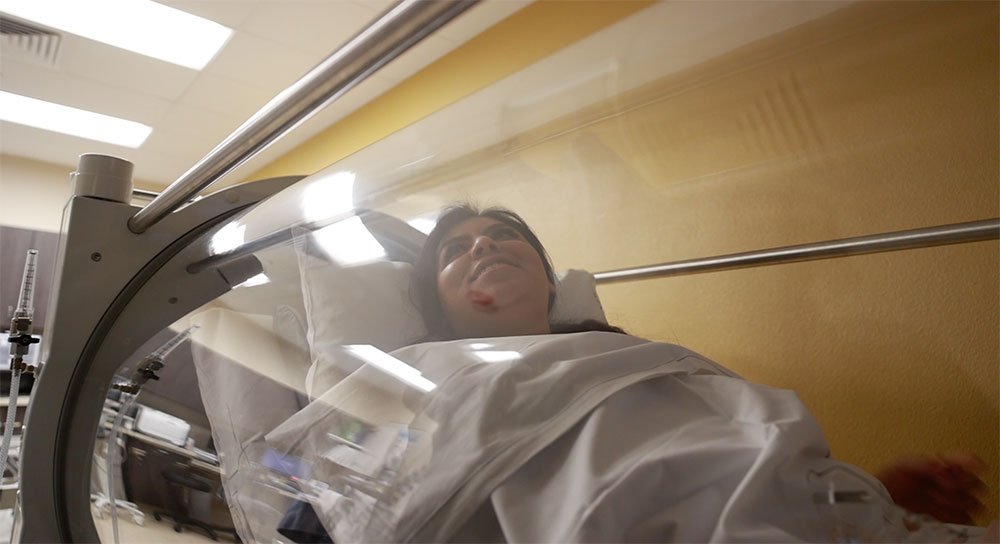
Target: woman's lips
[(487, 267)]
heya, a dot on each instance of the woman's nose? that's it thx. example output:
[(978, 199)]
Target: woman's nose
[(482, 244)]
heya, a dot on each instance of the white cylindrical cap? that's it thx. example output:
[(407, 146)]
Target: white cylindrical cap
[(104, 177)]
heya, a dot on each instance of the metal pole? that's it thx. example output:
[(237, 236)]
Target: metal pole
[(974, 231), (394, 32)]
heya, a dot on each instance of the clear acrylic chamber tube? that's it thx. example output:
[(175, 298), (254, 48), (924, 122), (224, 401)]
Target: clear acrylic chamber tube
[(306, 405)]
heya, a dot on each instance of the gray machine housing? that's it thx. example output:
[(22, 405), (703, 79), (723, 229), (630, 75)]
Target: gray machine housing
[(96, 323)]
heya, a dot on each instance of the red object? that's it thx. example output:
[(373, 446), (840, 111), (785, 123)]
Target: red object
[(944, 487), (480, 298)]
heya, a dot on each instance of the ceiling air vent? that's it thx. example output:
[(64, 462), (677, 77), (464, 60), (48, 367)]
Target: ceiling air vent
[(21, 41)]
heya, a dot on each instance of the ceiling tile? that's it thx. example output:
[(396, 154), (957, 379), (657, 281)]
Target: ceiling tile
[(199, 123), (50, 85), (224, 96), (116, 67), (261, 62), (230, 13), (188, 131), (315, 27), (162, 168)]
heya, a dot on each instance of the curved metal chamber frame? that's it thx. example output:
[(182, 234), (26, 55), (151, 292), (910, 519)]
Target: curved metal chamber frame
[(105, 309)]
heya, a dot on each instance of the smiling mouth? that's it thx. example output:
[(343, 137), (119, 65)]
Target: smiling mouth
[(484, 269)]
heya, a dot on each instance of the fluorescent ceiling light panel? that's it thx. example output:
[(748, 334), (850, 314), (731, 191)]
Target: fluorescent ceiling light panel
[(141, 26), (66, 120)]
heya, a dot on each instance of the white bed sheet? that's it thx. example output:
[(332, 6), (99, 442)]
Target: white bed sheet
[(598, 437)]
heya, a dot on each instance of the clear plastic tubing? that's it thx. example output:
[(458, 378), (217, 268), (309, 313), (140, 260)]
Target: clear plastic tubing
[(127, 401)]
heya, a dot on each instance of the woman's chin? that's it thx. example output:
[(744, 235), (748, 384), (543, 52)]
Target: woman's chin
[(491, 296)]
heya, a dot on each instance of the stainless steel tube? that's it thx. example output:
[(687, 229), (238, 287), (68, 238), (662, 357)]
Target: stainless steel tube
[(974, 231), (394, 32)]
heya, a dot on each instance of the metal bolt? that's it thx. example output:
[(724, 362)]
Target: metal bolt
[(95, 256), (172, 300)]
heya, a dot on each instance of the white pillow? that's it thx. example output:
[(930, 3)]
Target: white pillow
[(363, 304), (576, 298), (371, 304)]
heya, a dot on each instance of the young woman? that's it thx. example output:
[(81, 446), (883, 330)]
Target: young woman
[(484, 273), (534, 436)]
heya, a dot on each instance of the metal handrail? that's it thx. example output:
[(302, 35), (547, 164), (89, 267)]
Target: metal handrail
[(390, 35), (973, 231)]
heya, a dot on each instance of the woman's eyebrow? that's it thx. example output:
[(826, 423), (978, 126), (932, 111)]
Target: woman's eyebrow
[(493, 229)]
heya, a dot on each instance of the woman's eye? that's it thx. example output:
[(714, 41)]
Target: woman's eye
[(450, 253)]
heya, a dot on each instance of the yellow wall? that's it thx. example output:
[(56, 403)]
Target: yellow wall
[(40, 189), (879, 117)]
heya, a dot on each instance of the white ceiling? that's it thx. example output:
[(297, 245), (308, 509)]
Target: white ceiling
[(275, 42)]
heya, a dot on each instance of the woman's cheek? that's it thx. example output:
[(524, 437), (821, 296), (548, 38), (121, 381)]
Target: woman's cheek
[(450, 282), (447, 278)]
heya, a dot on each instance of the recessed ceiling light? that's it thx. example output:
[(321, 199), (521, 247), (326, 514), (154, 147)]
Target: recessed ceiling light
[(141, 26), (84, 124)]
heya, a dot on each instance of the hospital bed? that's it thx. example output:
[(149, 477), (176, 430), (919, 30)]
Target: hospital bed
[(708, 130)]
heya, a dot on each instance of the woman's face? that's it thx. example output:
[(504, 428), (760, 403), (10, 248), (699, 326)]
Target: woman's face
[(491, 281)]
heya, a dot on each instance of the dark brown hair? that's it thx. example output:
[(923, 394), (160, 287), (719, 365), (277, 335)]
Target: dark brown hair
[(425, 270)]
